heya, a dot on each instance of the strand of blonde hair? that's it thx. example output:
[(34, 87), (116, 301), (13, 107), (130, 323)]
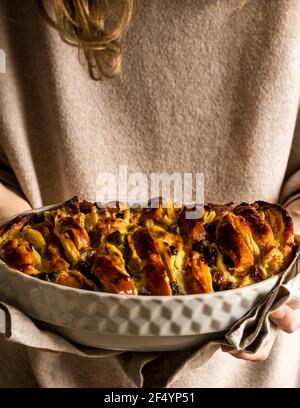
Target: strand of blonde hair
[(96, 28)]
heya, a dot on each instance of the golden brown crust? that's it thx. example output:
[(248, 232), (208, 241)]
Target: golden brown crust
[(261, 231), (73, 279), (281, 224), (198, 278), (112, 275), (18, 254), (231, 243), (55, 258), (156, 280), (153, 271), (279, 220), (9, 230), (155, 251), (191, 229)]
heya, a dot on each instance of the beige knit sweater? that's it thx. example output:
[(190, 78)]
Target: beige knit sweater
[(207, 87)]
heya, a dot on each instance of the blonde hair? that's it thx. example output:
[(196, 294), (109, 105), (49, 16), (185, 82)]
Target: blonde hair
[(96, 28)]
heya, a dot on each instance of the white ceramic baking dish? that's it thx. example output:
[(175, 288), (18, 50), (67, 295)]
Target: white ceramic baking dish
[(126, 322)]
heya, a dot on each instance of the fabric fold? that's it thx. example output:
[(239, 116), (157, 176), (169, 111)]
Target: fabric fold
[(253, 332)]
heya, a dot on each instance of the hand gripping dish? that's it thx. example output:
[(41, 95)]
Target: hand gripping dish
[(142, 278)]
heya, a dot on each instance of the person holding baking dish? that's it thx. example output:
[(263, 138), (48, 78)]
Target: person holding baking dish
[(208, 85)]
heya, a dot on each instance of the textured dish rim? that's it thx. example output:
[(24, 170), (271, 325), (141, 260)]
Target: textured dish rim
[(141, 297)]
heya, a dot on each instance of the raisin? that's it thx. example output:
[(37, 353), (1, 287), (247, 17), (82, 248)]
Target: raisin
[(229, 285), (218, 279), (120, 215), (197, 246), (173, 250), (38, 218), (72, 205), (144, 243), (210, 255), (45, 277), (200, 246), (257, 273), (175, 288), (228, 261), (86, 207), (127, 252), (115, 238), (210, 228), (84, 267)]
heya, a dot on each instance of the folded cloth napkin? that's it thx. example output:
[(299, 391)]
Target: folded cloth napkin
[(251, 333)]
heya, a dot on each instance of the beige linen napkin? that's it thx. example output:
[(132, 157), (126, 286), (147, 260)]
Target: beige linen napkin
[(251, 333)]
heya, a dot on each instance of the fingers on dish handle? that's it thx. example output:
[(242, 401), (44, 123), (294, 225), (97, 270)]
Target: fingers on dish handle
[(286, 319)]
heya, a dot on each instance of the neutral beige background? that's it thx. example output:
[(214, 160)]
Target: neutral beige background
[(206, 87)]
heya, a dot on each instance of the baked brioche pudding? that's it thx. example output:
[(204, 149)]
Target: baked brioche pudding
[(150, 251)]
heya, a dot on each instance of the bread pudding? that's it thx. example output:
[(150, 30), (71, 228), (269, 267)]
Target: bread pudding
[(156, 250)]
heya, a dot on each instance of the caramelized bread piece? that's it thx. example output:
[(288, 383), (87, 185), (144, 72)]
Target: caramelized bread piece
[(72, 206), (12, 228), (35, 238), (76, 232), (46, 229), (261, 230), (232, 244), (156, 280), (171, 249), (198, 278), (191, 229), (281, 224), (74, 279), (73, 238), (54, 257), (217, 208), (158, 212), (19, 254), (153, 272), (113, 276)]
